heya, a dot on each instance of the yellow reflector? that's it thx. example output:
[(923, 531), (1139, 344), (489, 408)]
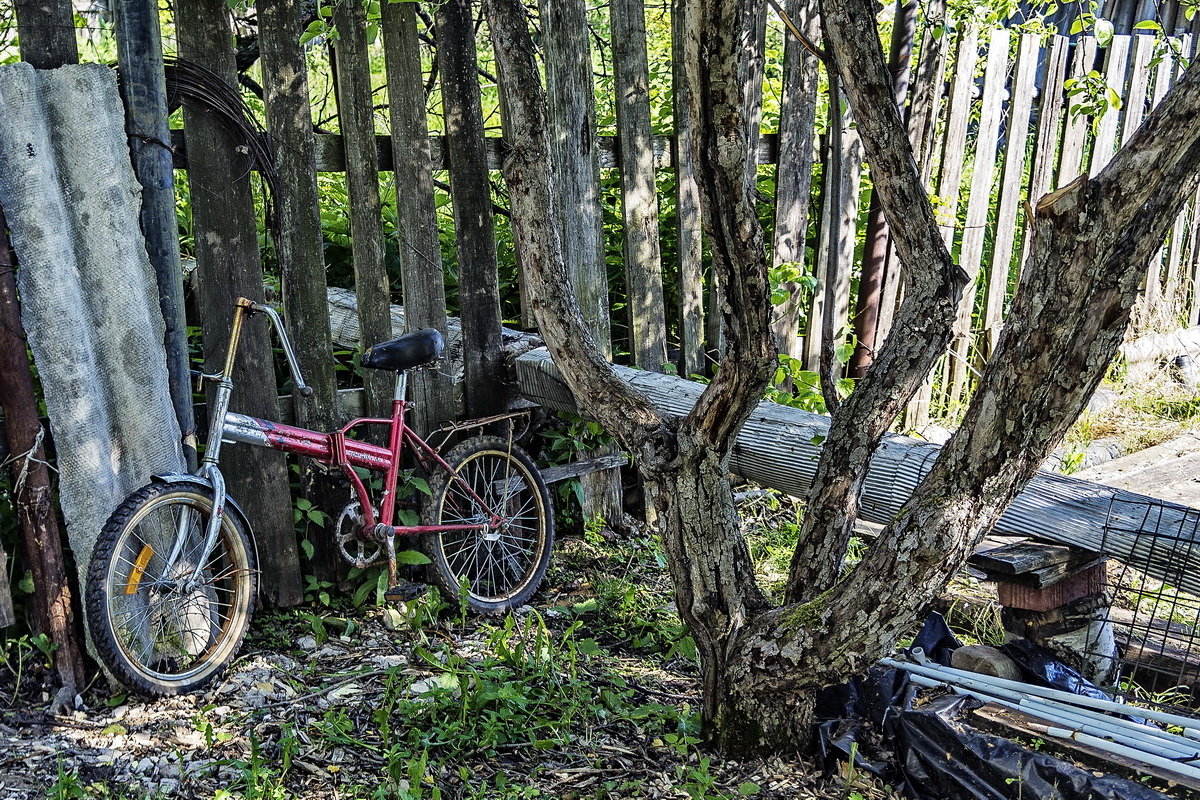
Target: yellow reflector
[(139, 569)]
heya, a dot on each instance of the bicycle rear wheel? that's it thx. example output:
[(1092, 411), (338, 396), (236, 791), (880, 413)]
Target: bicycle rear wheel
[(501, 567), (169, 628)]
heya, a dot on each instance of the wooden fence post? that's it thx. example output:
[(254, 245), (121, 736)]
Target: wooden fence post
[(356, 121), (144, 90), (47, 41), (639, 200), (1007, 213), (421, 273), (54, 606), (470, 193), (229, 267), (300, 252)]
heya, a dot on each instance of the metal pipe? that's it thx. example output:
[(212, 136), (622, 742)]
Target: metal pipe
[(937, 671), (1130, 728), (1127, 752)]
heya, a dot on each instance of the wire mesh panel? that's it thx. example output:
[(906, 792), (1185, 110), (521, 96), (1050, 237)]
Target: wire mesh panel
[(1156, 624)]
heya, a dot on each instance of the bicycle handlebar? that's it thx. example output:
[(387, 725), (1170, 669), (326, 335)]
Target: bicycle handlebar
[(303, 389)]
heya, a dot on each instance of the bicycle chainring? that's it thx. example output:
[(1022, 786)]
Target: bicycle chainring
[(357, 551)]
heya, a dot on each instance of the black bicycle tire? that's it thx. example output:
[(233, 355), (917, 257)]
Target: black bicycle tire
[(139, 678), (439, 569)]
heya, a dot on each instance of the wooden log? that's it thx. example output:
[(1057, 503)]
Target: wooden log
[(571, 105), (639, 200), (689, 241), (470, 193), (356, 118), (421, 271), (301, 255), (144, 91), (54, 606), (229, 267), (1001, 270), (983, 171)]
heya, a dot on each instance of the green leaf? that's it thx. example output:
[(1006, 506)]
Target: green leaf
[(1077, 25), (421, 485), (413, 557), (586, 607), (26, 585), (1149, 25), (748, 789), (1104, 32), (307, 547)]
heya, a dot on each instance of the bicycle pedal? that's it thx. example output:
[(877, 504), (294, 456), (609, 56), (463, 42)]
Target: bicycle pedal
[(405, 592)]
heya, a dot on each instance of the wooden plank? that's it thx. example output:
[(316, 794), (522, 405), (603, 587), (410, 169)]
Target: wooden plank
[(229, 267), (1002, 270), (421, 273), (470, 194), (571, 103), (689, 239), (301, 254), (1050, 121), (983, 172), (639, 200), (46, 33), (1023, 557), (144, 92), (356, 119), (1056, 586), (954, 142), (1070, 162), (835, 250), (1138, 84), (585, 467), (793, 175), (1164, 75), (1116, 65)]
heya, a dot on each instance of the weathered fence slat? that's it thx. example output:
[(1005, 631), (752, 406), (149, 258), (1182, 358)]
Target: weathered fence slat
[(470, 194), (639, 200), (793, 181), (1070, 162), (422, 279), (689, 239), (1116, 63), (983, 171), (1163, 79), (1007, 212), (954, 140), (571, 103), (229, 267), (300, 251), (144, 91), (1139, 81), (1050, 121), (356, 119)]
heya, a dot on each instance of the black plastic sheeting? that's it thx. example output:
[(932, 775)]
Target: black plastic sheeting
[(928, 755)]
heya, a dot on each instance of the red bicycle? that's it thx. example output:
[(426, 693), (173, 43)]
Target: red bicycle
[(172, 581)]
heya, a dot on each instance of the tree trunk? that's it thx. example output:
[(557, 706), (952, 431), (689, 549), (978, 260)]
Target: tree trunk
[(761, 667)]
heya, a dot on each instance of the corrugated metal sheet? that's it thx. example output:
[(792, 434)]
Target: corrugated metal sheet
[(779, 448)]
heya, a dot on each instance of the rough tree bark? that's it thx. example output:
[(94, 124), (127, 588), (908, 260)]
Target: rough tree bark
[(761, 667)]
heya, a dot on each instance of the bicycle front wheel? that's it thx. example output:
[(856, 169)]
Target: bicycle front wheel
[(164, 623), (501, 566)]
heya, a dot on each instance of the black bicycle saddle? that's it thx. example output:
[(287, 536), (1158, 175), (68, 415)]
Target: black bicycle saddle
[(409, 351)]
